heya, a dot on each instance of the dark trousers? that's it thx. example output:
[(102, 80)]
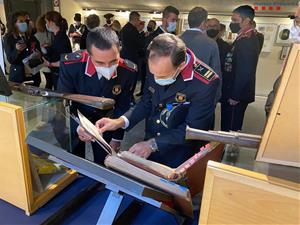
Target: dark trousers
[(232, 116), (54, 77), (49, 83), (142, 73)]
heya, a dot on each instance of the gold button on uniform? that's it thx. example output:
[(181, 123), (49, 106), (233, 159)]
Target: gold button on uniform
[(158, 121)]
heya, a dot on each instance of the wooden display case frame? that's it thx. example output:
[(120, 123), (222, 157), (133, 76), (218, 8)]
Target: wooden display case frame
[(238, 196), (16, 175), (281, 138)]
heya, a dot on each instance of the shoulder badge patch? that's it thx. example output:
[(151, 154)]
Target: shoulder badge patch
[(128, 65), (116, 90), (205, 72), (71, 57)]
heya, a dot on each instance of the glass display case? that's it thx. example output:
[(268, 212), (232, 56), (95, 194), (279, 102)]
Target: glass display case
[(28, 172)]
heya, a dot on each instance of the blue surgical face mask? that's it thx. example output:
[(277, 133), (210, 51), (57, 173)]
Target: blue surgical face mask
[(22, 27), (171, 27), (48, 28), (167, 81)]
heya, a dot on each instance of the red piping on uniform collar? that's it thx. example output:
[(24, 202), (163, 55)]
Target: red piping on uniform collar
[(90, 69), (187, 73)]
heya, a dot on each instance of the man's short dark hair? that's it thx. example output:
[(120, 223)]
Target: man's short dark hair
[(133, 15), (165, 45), (102, 38), (245, 11), (222, 27), (170, 9), (92, 21), (152, 21), (196, 16)]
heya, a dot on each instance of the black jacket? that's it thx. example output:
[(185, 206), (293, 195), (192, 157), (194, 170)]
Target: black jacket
[(14, 57), (153, 35), (240, 69), (132, 42)]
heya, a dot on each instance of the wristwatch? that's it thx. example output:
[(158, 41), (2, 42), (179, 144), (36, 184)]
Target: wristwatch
[(153, 145)]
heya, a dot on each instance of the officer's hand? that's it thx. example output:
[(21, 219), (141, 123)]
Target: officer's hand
[(20, 47), (141, 149), (232, 102), (83, 135), (106, 124), (116, 145)]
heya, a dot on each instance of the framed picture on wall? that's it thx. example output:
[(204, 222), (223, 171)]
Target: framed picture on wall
[(269, 32), (283, 34), (185, 25)]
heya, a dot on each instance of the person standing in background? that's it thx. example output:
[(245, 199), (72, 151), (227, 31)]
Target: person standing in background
[(92, 22), (61, 43), (295, 30), (240, 70), (169, 23), (109, 19), (76, 30), (223, 46), (132, 42), (204, 48), (150, 27), (45, 39), (116, 26), (19, 44)]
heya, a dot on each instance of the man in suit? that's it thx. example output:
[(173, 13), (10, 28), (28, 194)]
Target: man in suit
[(169, 23), (197, 40), (240, 70), (132, 42), (180, 90), (131, 38)]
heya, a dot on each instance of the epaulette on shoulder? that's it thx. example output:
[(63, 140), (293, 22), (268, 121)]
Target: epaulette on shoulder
[(73, 57), (127, 64), (203, 72)]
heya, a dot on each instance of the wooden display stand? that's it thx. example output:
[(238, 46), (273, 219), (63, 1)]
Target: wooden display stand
[(237, 196), (17, 178), (281, 138)]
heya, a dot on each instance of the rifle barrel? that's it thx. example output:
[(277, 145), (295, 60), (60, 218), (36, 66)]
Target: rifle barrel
[(246, 140)]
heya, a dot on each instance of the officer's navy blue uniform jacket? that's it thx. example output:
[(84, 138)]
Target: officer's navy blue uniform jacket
[(78, 75), (240, 68), (169, 109)]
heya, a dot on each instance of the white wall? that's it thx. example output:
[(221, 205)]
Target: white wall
[(68, 8)]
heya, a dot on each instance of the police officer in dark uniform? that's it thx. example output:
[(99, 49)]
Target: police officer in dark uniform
[(99, 71), (180, 91), (240, 70)]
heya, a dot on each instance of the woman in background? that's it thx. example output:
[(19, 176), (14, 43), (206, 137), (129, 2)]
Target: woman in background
[(61, 43), (20, 44), (45, 38)]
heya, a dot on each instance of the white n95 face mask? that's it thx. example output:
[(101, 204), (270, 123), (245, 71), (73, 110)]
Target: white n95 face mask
[(171, 27), (106, 72), (167, 81)]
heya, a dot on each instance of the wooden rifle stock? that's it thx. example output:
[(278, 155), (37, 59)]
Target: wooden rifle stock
[(93, 101), (241, 139)]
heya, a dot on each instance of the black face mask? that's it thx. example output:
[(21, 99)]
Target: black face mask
[(149, 29), (235, 27), (212, 33), (108, 21)]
